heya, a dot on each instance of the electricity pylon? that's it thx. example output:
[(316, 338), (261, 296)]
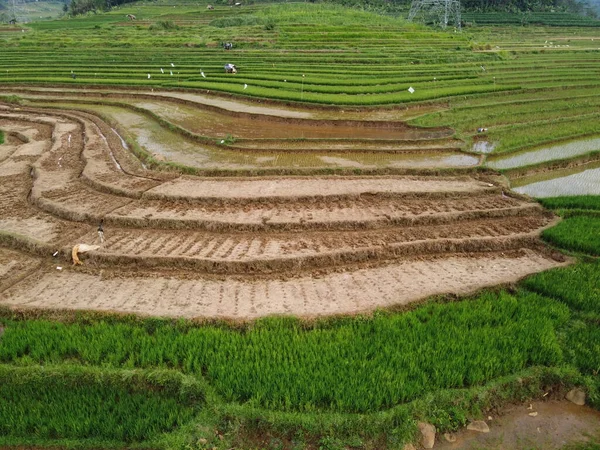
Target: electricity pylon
[(17, 11), (440, 12)]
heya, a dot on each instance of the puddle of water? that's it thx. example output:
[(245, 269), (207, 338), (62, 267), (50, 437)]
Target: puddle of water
[(483, 147), (123, 143), (422, 161), (561, 183), (340, 161), (155, 139), (560, 151)]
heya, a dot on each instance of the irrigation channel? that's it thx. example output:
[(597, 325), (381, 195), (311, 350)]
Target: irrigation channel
[(205, 218)]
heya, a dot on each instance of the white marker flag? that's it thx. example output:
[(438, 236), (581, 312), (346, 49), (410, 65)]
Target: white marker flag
[(161, 70), (202, 73), (411, 90), (171, 73), (172, 65), (148, 76), (245, 85)]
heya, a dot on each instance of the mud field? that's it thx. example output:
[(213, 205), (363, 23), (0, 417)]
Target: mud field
[(547, 425), (244, 246)]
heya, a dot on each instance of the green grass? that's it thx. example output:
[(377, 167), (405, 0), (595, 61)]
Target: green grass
[(577, 233), (583, 347), (582, 446), (560, 19), (70, 402), (1, 137), (577, 286), (558, 284), (582, 202), (515, 123), (284, 364)]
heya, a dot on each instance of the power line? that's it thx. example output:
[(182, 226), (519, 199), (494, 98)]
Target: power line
[(440, 12)]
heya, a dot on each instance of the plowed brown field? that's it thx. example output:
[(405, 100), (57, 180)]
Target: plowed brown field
[(241, 247)]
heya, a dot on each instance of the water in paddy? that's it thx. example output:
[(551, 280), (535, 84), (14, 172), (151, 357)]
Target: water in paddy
[(427, 160), (558, 183), (540, 155), (175, 148), (215, 124), (483, 147)]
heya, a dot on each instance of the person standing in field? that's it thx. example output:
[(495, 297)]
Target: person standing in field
[(101, 231)]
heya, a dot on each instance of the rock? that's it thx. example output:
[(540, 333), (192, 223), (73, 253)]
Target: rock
[(478, 425), (449, 437), (576, 396), (409, 446), (428, 432), (559, 257), (533, 414)]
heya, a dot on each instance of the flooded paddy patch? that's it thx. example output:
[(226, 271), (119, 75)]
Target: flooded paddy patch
[(418, 161), (544, 154), (211, 123), (565, 182), (483, 147), (172, 147)]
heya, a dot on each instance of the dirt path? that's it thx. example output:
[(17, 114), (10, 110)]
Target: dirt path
[(556, 424)]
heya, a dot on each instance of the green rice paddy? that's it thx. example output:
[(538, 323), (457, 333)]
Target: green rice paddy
[(100, 381)]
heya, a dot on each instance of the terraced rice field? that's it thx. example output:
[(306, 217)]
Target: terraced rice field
[(228, 201), (311, 184), (243, 247)]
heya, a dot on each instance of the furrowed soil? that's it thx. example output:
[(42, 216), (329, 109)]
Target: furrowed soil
[(356, 290), (246, 246)]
